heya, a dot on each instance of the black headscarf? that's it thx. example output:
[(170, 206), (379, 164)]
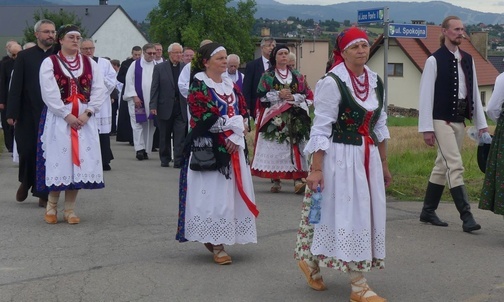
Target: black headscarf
[(274, 52), (201, 57), (62, 31)]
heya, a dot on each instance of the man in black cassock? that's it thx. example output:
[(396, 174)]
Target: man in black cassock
[(124, 130), (25, 106)]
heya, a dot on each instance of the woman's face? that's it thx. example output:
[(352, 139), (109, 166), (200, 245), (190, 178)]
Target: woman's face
[(282, 57), (217, 63), (71, 42), (357, 54)]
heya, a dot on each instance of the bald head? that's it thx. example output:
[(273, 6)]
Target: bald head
[(14, 49)]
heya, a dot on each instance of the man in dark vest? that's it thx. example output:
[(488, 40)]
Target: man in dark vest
[(25, 105), (449, 95)]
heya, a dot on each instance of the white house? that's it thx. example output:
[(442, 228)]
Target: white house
[(109, 26)]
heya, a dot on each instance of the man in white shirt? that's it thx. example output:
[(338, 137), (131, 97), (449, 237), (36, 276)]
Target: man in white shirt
[(137, 93), (448, 96)]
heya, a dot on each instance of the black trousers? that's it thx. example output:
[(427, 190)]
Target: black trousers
[(8, 132), (106, 152), (177, 127)]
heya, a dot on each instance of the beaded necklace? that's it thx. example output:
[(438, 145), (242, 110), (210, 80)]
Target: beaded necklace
[(72, 65), (361, 89), (282, 76)]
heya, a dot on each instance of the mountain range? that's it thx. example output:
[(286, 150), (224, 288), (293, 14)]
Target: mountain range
[(399, 12)]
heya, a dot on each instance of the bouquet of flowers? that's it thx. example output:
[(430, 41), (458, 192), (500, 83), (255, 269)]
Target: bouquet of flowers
[(292, 126)]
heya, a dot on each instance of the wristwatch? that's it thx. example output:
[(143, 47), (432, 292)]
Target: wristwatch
[(89, 113)]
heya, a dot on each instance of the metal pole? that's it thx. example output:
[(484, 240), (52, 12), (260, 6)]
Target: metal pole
[(385, 55)]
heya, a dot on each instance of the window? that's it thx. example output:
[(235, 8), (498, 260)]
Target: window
[(395, 69), (483, 95)]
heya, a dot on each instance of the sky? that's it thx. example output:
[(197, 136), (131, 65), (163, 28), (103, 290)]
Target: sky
[(487, 6)]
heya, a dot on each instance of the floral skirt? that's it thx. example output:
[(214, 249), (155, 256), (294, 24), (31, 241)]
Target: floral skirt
[(304, 242), (492, 194)]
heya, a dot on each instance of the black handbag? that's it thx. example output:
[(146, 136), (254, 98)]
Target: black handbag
[(203, 159)]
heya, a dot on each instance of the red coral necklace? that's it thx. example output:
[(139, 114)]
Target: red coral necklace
[(361, 89), (72, 65), (282, 76)]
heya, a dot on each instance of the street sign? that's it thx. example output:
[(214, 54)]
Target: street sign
[(418, 31), (370, 15)]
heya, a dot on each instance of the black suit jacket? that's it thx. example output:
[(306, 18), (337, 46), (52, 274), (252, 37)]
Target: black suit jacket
[(253, 73), (163, 91), (5, 77)]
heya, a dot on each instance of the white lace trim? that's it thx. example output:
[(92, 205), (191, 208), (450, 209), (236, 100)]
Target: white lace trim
[(382, 134), (316, 143), (221, 230)]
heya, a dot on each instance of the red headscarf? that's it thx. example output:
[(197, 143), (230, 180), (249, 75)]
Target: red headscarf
[(346, 38)]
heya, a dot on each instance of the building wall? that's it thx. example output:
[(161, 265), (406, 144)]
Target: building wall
[(402, 91), (116, 37)]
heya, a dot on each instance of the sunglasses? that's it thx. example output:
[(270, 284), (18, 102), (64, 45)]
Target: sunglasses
[(150, 53)]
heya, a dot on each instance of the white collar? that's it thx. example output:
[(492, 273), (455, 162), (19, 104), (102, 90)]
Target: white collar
[(226, 87), (342, 73)]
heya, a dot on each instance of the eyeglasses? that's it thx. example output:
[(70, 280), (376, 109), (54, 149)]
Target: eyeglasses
[(150, 53), (87, 48), (52, 32)]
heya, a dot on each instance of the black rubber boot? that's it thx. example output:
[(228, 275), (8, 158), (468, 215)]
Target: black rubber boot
[(431, 202), (461, 200)]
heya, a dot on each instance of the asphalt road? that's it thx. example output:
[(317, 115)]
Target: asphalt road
[(124, 249)]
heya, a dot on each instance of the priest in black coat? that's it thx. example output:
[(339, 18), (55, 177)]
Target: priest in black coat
[(25, 106)]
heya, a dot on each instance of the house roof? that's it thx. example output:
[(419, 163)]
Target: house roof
[(497, 62), (15, 18), (418, 50)]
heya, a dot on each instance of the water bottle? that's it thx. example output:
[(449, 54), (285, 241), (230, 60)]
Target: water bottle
[(316, 199)]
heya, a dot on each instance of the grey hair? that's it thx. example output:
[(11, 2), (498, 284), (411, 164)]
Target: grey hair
[(170, 47), (267, 39), (28, 45), (291, 56), (234, 56), (39, 23), (87, 40)]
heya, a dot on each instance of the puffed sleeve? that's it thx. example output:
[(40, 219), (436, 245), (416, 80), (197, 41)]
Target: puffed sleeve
[(380, 129), (326, 102), (49, 89), (494, 106), (98, 90)]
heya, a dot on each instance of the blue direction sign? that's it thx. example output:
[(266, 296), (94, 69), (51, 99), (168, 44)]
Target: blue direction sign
[(370, 15), (418, 31)]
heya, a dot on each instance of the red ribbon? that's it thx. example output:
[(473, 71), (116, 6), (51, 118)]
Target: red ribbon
[(297, 156), (74, 99), (235, 161), (368, 140)]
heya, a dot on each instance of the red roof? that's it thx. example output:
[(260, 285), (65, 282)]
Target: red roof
[(418, 50)]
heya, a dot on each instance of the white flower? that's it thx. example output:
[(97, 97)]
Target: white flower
[(277, 121)]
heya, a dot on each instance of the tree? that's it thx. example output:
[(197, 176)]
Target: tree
[(60, 18), (191, 21)]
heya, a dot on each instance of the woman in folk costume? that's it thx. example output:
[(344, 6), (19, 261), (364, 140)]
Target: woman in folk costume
[(283, 123), (349, 164), (68, 152), (217, 207), (492, 194)]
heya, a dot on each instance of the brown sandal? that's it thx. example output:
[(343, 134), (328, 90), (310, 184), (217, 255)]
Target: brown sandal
[(316, 284)]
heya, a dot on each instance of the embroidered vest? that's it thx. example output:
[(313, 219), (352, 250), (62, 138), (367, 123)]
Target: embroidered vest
[(64, 81), (353, 120), (446, 89)]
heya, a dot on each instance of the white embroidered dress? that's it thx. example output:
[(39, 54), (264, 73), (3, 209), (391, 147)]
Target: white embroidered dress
[(215, 210), (56, 136), (352, 225)]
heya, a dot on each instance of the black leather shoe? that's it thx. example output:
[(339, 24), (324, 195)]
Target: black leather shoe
[(165, 164), (140, 155), (145, 155), (22, 192), (106, 167), (177, 166)]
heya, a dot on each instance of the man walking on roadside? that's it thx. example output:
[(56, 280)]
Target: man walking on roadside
[(25, 106), (448, 95)]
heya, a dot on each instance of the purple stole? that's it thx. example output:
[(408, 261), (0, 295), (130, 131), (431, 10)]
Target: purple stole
[(140, 114), (239, 82)]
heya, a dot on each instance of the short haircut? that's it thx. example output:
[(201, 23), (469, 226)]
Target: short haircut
[(157, 44), (87, 40), (267, 39), (39, 23), (234, 56), (115, 62), (170, 47), (291, 56), (28, 45), (136, 48), (147, 46), (187, 48), (205, 42)]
